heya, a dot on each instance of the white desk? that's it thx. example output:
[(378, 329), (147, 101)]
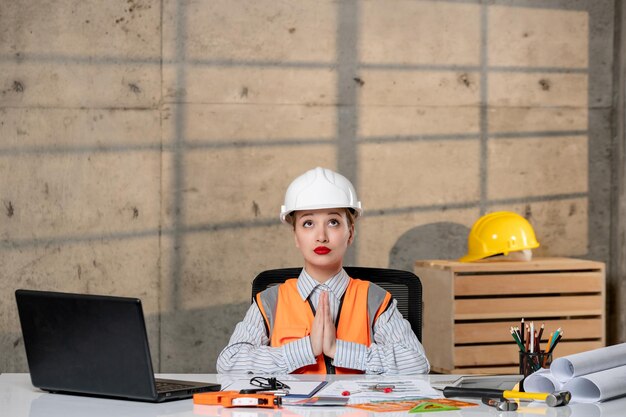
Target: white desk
[(18, 398)]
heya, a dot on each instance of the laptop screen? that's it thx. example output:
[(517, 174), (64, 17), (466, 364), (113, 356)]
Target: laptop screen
[(86, 344)]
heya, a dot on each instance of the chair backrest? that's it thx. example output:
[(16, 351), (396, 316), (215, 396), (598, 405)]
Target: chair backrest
[(404, 286)]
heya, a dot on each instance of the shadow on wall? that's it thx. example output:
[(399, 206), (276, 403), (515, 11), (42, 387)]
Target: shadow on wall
[(443, 240), (191, 340)]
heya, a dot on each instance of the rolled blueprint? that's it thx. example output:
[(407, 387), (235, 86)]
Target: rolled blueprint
[(541, 381), (583, 363), (598, 386)]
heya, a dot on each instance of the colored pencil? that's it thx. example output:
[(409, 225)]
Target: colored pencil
[(519, 343), (548, 344), (558, 339), (541, 331)]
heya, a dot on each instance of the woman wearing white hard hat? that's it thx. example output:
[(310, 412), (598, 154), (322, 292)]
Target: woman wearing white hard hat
[(323, 321)]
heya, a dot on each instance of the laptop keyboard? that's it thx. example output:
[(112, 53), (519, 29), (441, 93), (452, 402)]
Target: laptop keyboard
[(164, 386)]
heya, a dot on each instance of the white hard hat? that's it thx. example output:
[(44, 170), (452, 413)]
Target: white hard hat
[(319, 188)]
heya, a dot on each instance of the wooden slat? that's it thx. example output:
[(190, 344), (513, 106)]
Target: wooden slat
[(518, 284), (474, 309), (536, 265), (499, 331), (509, 354)]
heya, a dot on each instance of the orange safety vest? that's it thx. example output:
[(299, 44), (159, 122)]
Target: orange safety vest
[(288, 317)]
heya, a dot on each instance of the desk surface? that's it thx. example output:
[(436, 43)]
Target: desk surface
[(18, 398)]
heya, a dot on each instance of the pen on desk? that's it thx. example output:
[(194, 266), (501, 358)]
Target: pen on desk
[(386, 388), (276, 392)]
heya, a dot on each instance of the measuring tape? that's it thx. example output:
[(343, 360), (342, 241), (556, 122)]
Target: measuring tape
[(235, 399)]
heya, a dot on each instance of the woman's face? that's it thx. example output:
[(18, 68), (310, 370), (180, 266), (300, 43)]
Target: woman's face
[(323, 236)]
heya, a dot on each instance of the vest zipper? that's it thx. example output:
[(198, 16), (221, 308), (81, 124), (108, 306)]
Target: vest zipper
[(330, 369)]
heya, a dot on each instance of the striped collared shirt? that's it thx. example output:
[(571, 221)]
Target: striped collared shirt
[(336, 286), (395, 349)]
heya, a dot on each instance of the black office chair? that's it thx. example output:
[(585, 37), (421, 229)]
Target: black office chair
[(404, 286)]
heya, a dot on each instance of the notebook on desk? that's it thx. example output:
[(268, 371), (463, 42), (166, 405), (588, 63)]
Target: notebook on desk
[(93, 345)]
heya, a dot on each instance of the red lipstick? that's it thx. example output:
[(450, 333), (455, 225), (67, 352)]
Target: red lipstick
[(321, 250)]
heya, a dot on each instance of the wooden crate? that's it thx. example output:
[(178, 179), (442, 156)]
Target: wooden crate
[(470, 307)]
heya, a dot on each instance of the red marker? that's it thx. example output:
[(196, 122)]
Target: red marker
[(386, 388)]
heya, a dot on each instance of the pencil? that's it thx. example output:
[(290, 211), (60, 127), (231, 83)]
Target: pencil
[(522, 329), (519, 334), (553, 338), (540, 333), (548, 344), (556, 335), (514, 334), (558, 339), (527, 338), (516, 338)]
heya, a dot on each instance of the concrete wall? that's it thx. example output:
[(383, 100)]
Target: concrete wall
[(145, 145), (617, 258)]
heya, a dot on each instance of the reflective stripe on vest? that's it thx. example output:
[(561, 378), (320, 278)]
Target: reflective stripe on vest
[(288, 317)]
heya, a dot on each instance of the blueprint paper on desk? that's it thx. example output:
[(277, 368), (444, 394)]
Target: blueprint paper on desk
[(365, 389), (594, 387), (583, 363), (297, 388), (592, 376)]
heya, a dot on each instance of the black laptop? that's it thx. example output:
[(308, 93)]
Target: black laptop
[(93, 345)]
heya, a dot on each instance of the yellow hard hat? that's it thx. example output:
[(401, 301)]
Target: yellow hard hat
[(499, 233)]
